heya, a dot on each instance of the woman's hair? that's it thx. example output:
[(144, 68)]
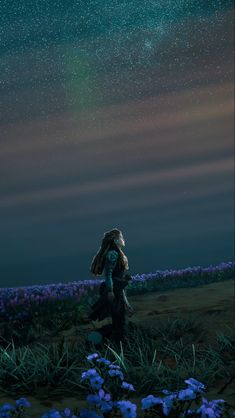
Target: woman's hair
[(107, 244)]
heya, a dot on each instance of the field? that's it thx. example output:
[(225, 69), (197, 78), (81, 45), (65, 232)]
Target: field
[(180, 319)]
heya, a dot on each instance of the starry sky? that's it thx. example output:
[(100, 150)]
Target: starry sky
[(115, 114)]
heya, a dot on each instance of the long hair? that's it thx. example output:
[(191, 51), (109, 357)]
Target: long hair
[(107, 244)]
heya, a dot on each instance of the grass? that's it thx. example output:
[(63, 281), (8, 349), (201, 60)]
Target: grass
[(152, 359), (36, 359)]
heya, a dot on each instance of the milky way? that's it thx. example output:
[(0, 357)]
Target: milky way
[(114, 114)]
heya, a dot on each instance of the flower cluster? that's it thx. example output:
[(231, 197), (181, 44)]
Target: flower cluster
[(114, 377), (8, 410), (18, 302), (172, 404)]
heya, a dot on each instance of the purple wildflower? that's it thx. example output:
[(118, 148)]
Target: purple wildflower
[(92, 356), (103, 360), (23, 402), (166, 392), (128, 386), (186, 394), (67, 412), (127, 408), (85, 413), (114, 366), (102, 401), (89, 373), (53, 413), (116, 373), (195, 385), (104, 396), (211, 409), (96, 382), (167, 403), (149, 401), (6, 407), (93, 399)]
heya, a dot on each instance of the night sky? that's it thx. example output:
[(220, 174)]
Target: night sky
[(115, 114)]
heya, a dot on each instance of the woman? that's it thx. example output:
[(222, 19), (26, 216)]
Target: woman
[(112, 301)]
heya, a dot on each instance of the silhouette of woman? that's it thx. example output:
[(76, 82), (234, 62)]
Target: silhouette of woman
[(112, 301)]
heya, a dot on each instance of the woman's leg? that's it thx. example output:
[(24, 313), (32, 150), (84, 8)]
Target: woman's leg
[(119, 320), (101, 309)]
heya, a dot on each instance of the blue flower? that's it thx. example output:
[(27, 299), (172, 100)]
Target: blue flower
[(149, 401), (89, 373), (53, 413), (186, 394), (103, 360), (127, 408), (92, 356), (85, 413), (210, 409), (105, 401), (195, 385), (114, 366), (167, 403), (105, 406), (5, 415), (102, 401), (67, 412), (128, 386), (23, 402), (93, 399), (104, 396), (6, 407), (96, 382), (218, 401), (116, 373), (188, 412), (166, 392), (207, 411)]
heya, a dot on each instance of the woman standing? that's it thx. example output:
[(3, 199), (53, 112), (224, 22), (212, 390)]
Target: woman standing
[(112, 301)]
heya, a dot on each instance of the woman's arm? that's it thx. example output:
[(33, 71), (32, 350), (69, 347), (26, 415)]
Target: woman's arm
[(110, 263), (125, 299), (127, 305)]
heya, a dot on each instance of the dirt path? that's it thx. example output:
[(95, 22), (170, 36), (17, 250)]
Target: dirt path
[(213, 303)]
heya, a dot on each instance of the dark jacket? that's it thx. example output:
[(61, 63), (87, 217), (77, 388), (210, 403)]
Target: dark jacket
[(115, 280), (111, 268)]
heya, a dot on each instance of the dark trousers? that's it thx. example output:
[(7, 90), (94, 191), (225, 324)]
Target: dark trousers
[(116, 309), (118, 319)]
